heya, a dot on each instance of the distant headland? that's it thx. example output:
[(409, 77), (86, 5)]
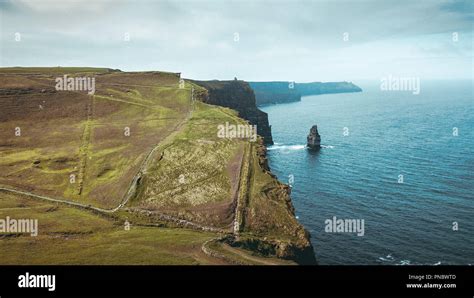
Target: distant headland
[(283, 92)]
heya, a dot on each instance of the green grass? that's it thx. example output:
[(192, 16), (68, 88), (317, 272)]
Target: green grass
[(12, 157), (140, 245), (73, 236), (193, 174), (196, 170), (101, 157), (53, 70)]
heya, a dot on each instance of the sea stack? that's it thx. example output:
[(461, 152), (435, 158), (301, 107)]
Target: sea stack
[(314, 139)]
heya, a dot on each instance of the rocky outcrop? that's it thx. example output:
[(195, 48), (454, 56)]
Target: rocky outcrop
[(262, 157), (300, 252), (283, 92), (314, 139), (239, 96)]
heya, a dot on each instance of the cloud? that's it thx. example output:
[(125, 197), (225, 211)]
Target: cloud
[(277, 39), (58, 6)]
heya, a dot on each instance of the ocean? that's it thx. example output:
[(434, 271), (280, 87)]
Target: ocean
[(403, 163)]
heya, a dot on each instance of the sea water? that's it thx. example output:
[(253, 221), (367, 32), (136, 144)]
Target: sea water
[(402, 162)]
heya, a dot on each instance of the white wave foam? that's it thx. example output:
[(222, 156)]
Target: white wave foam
[(405, 262), (280, 146), (286, 147), (388, 258), (392, 260)]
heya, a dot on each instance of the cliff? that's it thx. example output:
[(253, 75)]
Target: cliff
[(316, 88), (268, 226), (283, 92), (270, 212), (170, 174), (239, 96), (274, 92)]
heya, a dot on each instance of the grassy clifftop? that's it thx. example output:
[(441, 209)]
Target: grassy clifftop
[(238, 96), (141, 152), (84, 148)]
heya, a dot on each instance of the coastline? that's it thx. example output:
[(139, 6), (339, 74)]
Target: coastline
[(268, 225)]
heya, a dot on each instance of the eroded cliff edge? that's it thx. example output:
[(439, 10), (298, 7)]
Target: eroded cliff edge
[(239, 96), (268, 224)]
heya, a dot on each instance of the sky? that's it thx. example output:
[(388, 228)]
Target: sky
[(253, 40)]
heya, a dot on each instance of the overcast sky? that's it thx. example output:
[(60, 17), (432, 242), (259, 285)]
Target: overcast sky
[(252, 40)]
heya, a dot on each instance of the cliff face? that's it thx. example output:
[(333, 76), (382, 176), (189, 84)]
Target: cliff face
[(277, 217), (268, 227), (283, 92), (239, 96), (274, 92)]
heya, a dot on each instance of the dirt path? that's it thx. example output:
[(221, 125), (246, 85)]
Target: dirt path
[(54, 200), (248, 257), (244, 258), (240, 193), (131, 190), (181, 222), (142, 170)]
